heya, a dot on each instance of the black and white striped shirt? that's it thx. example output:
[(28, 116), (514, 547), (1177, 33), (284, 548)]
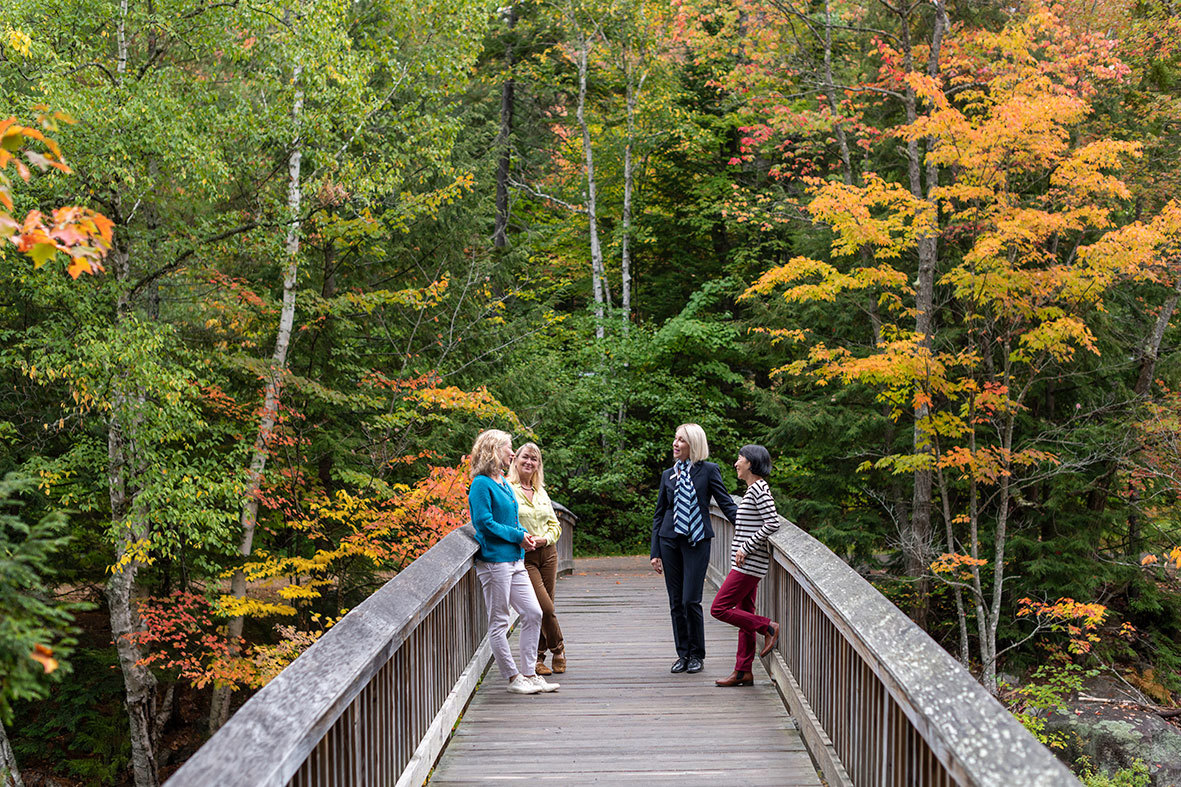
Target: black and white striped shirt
[(757, 520)]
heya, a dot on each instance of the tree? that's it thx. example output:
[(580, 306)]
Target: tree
[(35, 630), (1023, 290)]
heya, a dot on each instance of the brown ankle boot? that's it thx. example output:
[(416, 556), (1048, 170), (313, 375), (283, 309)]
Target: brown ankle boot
[(542, 669), (559, 661), (737, 679)]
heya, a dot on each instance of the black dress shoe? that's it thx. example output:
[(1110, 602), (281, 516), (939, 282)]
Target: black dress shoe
[(695, 665), (680, 665)]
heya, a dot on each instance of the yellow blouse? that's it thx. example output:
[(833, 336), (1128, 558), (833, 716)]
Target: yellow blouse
[(537, 517)]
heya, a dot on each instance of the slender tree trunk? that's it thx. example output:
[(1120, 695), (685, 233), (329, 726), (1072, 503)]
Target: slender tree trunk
[(986, 646), (1151, 349), (132, 524), (633, 91), (917, 543), (121, 42), (10, 775), (830, 91), (219, 712), (598, 277), (138, 681), (998, 566), (961, 613), (989, 624), (500, 233)]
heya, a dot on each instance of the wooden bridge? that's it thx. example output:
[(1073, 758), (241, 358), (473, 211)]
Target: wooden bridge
[(855, 694), (620, 716)]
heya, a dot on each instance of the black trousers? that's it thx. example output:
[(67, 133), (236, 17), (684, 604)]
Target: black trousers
[(684, 577)]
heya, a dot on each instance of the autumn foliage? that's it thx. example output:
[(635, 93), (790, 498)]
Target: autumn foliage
[(84, 235), (927, 253)]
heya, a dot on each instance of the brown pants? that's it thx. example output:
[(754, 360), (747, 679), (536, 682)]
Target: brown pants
[(542, 565)]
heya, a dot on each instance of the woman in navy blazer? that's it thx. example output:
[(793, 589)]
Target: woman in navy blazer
[(684, 557)]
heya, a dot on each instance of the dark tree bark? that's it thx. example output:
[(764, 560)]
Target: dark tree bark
[(917, 542)]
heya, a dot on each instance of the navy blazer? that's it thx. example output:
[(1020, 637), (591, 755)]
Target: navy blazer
[(707, 480)]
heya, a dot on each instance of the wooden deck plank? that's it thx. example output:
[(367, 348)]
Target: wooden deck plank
[(621, 717)]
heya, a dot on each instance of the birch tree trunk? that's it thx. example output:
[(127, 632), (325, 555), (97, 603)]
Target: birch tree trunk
[(500, 233), (130, 521), (128, 518), (219, 710), (138, 682), (598, 277), (830, 91), (10, 775), (633, 91), (121, 42)]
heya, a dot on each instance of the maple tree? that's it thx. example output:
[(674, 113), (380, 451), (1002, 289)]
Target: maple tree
[(1023, 290), (83, 234)]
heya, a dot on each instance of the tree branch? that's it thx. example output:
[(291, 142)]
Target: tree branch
[(180, 261), (548, 197)]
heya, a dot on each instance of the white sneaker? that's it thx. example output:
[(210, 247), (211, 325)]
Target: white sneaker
[(523, 685), (541, 683)]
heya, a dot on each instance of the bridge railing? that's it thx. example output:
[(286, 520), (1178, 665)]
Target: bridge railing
[(372, 702), (879, 703)]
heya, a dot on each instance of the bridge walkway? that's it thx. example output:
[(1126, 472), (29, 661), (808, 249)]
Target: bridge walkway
[(621, 717)]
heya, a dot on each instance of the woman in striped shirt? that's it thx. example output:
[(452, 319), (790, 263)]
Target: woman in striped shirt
[(750, 556)]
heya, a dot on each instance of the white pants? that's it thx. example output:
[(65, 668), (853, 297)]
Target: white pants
[(507, 585)]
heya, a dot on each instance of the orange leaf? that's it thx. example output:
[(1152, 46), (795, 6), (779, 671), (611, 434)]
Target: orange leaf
[(43, 655), (80, 265)]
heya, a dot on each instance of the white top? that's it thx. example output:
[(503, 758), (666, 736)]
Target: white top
[(757, 521)]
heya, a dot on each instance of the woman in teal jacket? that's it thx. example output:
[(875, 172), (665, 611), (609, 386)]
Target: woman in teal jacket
[(500, 563)]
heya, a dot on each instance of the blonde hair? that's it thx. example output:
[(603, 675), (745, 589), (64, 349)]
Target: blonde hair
[(695, 436), (538, 475), (485, 452)]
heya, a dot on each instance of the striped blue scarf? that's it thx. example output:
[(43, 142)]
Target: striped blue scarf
[(686, 512)]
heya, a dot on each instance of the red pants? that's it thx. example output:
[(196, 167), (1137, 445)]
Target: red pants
[(735, 604)]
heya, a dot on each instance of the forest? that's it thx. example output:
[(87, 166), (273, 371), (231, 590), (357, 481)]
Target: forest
[(268, 266)]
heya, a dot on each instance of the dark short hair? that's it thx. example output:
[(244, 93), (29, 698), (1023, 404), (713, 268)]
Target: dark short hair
[(759, 458)]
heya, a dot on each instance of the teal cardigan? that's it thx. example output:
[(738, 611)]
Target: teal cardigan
[(494, 515)]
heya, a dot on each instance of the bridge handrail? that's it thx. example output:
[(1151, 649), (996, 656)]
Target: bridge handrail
[(374, 699), (888, 705)]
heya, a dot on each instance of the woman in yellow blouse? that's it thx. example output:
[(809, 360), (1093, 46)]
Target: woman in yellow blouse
[(537, 516)]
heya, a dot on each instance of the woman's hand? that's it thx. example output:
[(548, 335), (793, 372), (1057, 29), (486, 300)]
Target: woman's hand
[(539, 542), (529, 542), (657, 565), (739, 557)]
